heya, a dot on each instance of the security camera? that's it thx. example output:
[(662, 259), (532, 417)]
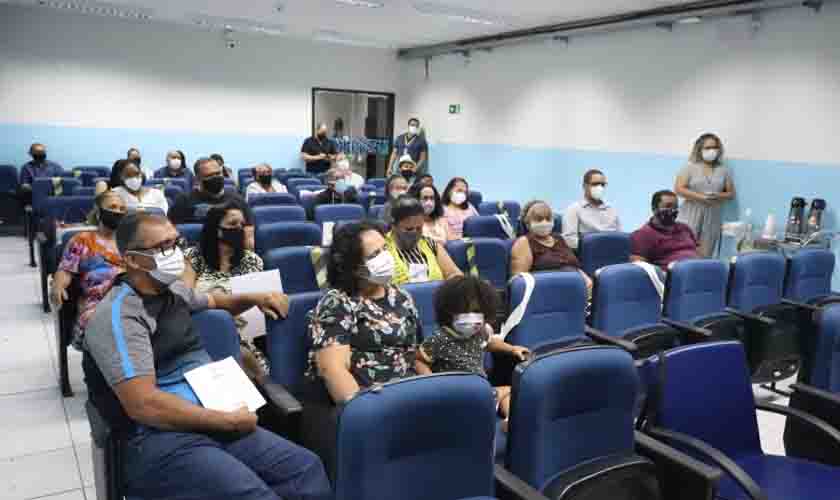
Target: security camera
[(230, 41), (231, 44)]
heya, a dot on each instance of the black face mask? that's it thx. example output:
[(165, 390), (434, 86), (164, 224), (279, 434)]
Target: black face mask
[(407, 174), (667, 216), (233, 237), (39, 157), (214, 185), (322, 136), (110, 219), (265, 180)]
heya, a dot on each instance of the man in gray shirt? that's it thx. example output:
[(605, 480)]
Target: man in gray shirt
[(139, 344), (591, 215)]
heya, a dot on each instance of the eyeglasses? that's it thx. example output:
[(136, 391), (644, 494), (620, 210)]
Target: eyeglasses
[(166, 248)]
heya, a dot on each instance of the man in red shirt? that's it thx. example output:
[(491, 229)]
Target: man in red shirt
[(663, 240)]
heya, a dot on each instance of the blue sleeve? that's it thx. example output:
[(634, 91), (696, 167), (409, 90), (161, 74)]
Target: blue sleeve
[(25, 175)]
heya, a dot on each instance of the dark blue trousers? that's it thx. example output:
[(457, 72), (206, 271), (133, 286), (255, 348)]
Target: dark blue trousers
[(259, 466)]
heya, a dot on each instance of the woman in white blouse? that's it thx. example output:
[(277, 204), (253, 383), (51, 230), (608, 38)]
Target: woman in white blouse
[(135, 195)]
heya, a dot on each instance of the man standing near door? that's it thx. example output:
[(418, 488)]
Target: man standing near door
[(411, 143), (318, 151)]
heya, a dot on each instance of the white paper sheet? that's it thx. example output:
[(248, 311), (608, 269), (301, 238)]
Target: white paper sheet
[(223, 386), (266, 281), (327, 230)]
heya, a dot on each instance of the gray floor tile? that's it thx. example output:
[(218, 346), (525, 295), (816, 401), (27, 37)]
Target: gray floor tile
[(83, 455), (33, 378), (76, 416), (67, 495), (39, 474), (32, 423), (90, 494)]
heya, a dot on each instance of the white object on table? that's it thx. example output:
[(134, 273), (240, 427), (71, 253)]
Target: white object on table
[(327, 234), (223, 386), (263, 282)]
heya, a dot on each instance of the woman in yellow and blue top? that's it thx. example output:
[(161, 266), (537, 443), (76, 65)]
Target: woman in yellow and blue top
[(418, 258)]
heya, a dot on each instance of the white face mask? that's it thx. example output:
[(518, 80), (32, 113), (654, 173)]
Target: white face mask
[(412, 129), (469, 324), (458, 197), (428, 207), (597, 192), (133, 183), (168, 269), (174, 163), (541, 228), (710, 155), (380, 269)]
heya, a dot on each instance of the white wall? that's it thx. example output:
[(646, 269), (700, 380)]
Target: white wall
[(775, 97), (69, 70)]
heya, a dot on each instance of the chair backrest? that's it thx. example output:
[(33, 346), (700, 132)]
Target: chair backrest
[(171, 181), (435, 432), (375, 211), (218, 333), (295, 266), (492, 258), (603, 249), (424, 299), (42, 188), (695, 288), (242, 173), (569, 407), (623, 297), (68, 209), (84, 191), (172, 191), (492, 208), (339, 212), (475, 198), (8, 179), (271, 199), (287, 234), (556, 311), (289, 342), (307, 201), (378, 182), (244, 183), (278, 213), (756, 280), (824, 359), (809, 274), (99, 170), (484, 226), (191, 232), (707, 394), (296, 184)]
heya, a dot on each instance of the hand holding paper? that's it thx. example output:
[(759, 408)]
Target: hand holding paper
[(223, 386)]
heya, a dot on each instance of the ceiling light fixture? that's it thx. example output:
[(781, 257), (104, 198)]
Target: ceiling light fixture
[(99, 9), (361, 3), (345, 39), (457, 14), (690, 20), (237, 25)]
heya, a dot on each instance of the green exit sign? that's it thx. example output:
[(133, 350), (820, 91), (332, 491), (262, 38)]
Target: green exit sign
[(454, 109)]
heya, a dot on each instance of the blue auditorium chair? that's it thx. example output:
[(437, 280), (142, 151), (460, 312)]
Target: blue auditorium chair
[(626, 305), (285, 177), (808, 277), (269, 214), (220, 338), (756, 286), (424, 299), (84, 191), (242, 173), (597, 250), (375, 212), (378, 182), (339, 212), (288, 344), (286, 234), (704, 404), (172, 191), (271, 199), (307, 201), (11, 213), (475, 198), (484, 226), (512, 209), (307, 184), (572, 435), (171, 181), (295, 266), (244, 183), (437, 436), (190, 232), (817, 391)]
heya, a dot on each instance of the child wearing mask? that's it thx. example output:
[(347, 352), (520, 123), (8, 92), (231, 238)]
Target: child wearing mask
[(463, 305)]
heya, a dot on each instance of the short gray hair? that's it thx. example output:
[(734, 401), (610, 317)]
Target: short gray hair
[(129, 229)]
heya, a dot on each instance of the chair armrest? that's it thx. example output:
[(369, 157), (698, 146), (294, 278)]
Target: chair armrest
[(751, 317), (700, 334), (801, 305), (825, 429), (682, 476), (603, 338), (280, 398), (742, 478), (810, 390), (510, 487)]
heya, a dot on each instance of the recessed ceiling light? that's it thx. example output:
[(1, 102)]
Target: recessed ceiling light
[(689, 20), (346, 39), (233, 24), (361, 3), (459, 14), (98, 9)]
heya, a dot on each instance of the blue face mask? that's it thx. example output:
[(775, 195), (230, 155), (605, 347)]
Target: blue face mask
[(341, 186)]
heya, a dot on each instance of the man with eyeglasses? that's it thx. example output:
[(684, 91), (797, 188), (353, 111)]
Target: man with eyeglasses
[(591, 215), (139, 344)]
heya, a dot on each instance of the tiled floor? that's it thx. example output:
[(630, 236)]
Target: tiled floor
[(44, 438)]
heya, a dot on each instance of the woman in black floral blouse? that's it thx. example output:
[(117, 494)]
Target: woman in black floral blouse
[(364, 331)]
